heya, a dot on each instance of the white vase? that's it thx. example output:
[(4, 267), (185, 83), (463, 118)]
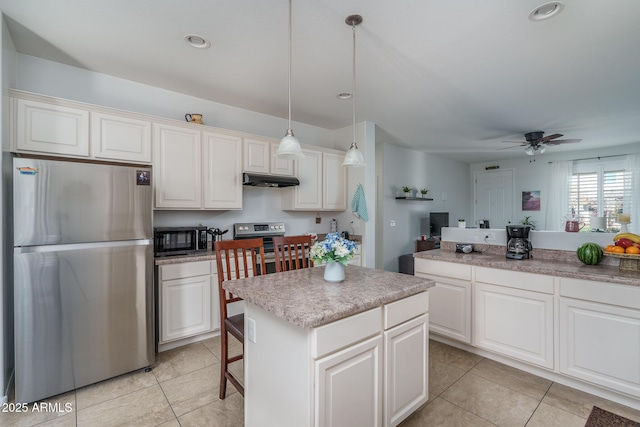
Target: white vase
[(334, 272), (462, 224)]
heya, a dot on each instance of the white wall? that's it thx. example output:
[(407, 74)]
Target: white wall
[(415, 169), (8, 77), (535, 176)]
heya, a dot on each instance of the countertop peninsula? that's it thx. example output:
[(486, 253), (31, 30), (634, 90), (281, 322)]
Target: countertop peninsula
[(559, 267), (303, 298)]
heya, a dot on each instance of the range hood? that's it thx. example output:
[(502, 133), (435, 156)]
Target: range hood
[(261, 180)]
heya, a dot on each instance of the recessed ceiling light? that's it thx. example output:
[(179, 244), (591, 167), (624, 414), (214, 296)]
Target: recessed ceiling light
[(546, 11), (197, 41), (344, 95)]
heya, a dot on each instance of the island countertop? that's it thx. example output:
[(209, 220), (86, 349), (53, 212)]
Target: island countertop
[(303, 298)]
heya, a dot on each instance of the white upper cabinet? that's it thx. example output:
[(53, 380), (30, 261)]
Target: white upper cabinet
[(323, 182), (334, 182), (49, 128), (177, 167), (260, 157), (195, 169), (120, 138), (222, 155), (57, 127)]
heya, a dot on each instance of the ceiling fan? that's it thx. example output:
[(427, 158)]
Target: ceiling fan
[(535, 141)]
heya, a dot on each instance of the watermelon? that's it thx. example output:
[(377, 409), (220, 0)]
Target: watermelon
[(589, 253)]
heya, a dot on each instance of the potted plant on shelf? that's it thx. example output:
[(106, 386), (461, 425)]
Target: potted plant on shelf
[(462, 223), (424, 192), (407, 191)]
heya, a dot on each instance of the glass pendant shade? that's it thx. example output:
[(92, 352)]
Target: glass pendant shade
[(529, 150), (543, 148), (289, 147), (354, 157)]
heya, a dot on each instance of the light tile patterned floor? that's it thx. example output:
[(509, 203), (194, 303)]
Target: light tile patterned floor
[(182, 390)]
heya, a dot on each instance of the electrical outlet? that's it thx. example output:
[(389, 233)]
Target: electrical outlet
[(392, 223), (251, 330), (489, 237)]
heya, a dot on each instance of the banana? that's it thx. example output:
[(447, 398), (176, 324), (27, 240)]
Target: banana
[(633, 237)]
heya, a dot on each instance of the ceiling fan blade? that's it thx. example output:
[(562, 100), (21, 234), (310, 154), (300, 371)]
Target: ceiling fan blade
[(507, 148), (562, 141), (517, 142), (550, 137)]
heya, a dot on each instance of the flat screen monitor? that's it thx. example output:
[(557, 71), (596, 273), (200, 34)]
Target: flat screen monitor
[(437, 220)]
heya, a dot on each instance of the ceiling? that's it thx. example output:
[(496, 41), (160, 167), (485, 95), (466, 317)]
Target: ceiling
[(450, 77)]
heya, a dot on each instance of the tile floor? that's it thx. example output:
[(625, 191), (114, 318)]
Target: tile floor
[(182, 390)]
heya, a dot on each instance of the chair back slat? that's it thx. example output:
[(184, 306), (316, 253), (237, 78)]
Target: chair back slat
[(292, 252)]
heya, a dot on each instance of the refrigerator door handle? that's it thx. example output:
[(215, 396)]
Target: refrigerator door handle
[(80, 246)]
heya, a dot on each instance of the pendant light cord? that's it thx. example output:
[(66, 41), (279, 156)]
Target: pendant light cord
[(290, 38), (353, 82)]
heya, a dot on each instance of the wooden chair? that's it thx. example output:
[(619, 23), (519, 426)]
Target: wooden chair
[(292, 252), (235, 259)]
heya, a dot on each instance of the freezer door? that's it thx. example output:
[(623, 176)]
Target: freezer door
[(57, 202), (83, 314)]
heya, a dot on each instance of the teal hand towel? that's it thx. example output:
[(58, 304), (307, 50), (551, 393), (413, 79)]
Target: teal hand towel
[(359, 204)]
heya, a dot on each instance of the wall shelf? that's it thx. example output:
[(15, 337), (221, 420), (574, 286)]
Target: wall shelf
[(412, 198)]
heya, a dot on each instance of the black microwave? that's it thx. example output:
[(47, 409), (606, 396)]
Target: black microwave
[(169, 241)]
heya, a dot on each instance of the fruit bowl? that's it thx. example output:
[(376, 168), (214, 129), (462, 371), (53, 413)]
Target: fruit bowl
[(629, 262)]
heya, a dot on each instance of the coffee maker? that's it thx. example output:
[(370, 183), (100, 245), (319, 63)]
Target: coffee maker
[(518, 244)]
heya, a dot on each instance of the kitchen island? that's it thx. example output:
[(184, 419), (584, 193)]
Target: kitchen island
[(319, 353)]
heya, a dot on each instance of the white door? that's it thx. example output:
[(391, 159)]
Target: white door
[(406, 375), (494, 197), (177, 167), (120, 138), (334, 189), (222, 171), (186, 307), (600, 343), (515, 323), (348, 386), (308, 195), (450, 308)]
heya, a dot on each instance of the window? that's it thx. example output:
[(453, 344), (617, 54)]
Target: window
[(598, 189)]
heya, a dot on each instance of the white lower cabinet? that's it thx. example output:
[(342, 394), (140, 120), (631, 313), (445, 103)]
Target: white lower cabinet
[(600, 339), (348, 386), (406, 369), (188, 300), (450, 298), (369, 369), (514, 323)]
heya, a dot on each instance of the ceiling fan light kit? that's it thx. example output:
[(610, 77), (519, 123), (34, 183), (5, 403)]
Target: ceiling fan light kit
[(289, 147), (354, 156), (536, 141)]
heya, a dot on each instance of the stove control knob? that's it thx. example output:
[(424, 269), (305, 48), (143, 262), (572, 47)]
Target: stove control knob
[(280, 227)]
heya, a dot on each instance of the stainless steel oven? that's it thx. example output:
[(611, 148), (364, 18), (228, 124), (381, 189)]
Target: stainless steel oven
[(264, 230)]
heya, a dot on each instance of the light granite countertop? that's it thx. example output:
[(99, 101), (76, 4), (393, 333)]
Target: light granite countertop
[(209, 255), (303, 298), (560, 267)]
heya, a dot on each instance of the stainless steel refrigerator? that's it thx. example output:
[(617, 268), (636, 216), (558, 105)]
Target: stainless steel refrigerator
[(83, 274)]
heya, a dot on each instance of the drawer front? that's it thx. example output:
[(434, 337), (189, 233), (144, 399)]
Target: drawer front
[(515, 279), (608, 293), (185, 269), (342, 333), (442, 268), (400, 311)]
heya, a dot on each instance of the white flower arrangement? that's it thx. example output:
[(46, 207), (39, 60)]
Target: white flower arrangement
[(333, 248)]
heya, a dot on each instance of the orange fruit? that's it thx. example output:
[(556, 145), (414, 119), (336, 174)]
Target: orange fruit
[(618, 250), (609, 248), (632, 250)]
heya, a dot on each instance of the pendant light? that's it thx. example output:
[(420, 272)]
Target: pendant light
[(354, 156), (289, 147)]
